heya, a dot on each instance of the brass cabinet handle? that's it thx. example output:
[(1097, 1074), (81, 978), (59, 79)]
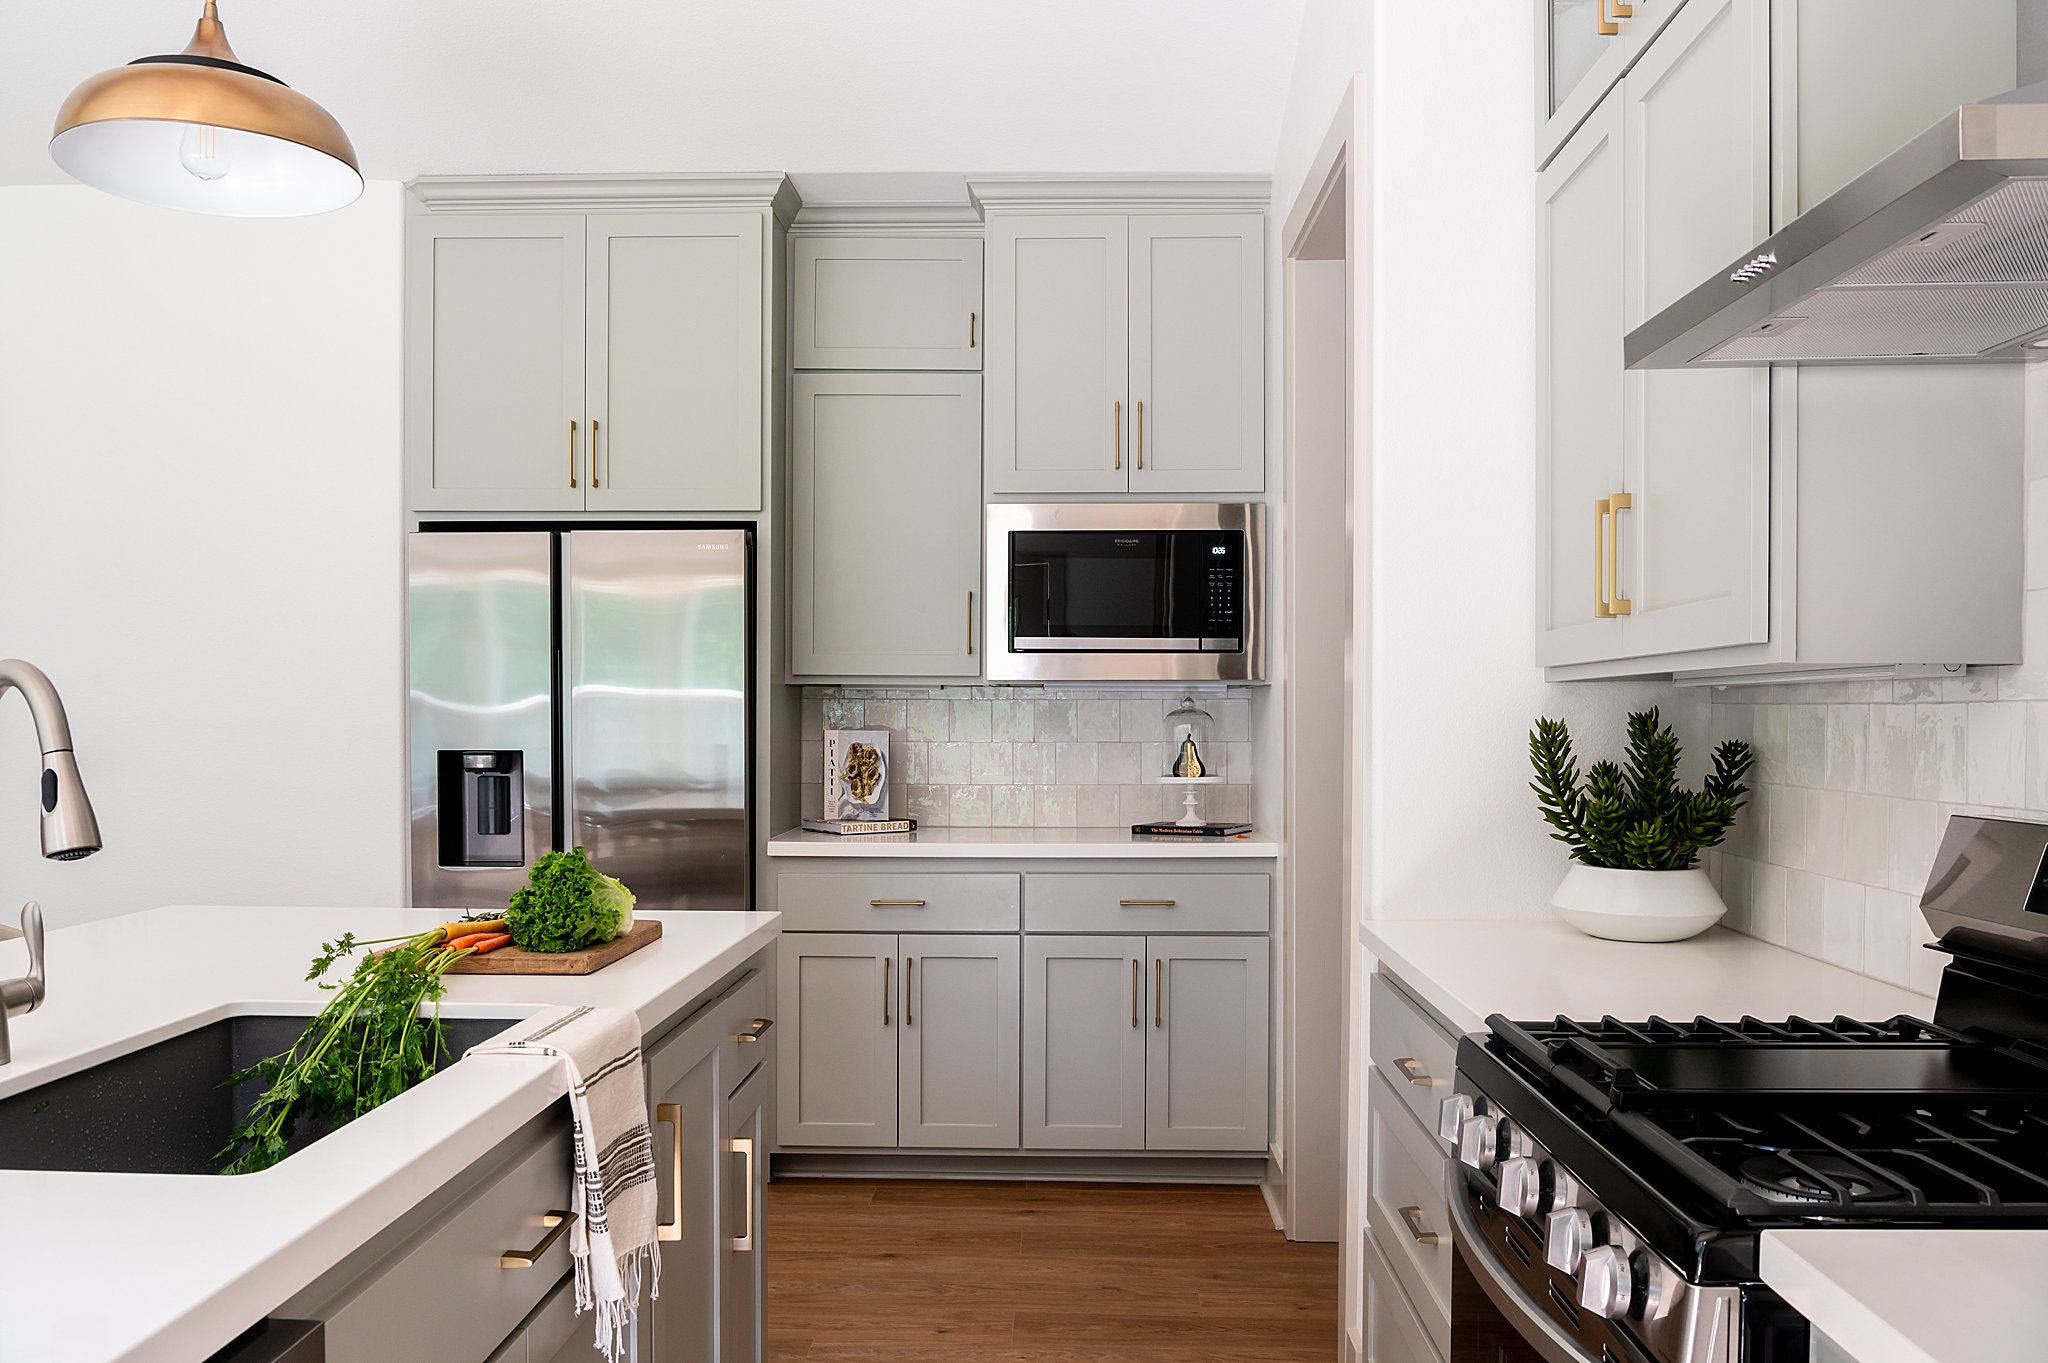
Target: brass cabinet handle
[(895, 903), (1606, 27), (1411, 1070), (1144, 903), (1600, 610), (572, 454), (557, 1223), (1116, 431), (1134, 991), (744, 1243), (1617, 604), (909, 976), (754, 1031), (886, 963), (671, 1114), (593, 452), (970, 331), (1412, 1218), (970, 624), (1141, 432), (1158, 992)]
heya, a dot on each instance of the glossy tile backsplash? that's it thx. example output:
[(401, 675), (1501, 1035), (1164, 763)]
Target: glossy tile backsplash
[(1029, 757)]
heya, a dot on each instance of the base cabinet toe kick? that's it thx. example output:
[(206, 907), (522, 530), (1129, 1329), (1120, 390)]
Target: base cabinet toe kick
[(481, 1273)]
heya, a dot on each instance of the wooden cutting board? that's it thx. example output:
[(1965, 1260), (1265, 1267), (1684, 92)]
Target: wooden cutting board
[(511, 960)]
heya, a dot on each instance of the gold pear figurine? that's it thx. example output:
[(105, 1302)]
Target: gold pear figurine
[(1188, 764)]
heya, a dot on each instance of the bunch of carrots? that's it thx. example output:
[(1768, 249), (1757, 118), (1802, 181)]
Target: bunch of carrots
[(477, 936)]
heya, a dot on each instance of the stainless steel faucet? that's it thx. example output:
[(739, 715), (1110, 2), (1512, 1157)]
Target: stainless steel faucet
[(69, 829)]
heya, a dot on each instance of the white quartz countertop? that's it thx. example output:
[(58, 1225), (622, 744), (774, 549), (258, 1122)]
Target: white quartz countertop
[(1917, 1296), (1059, 843), (1539, 968), (100, 1268)]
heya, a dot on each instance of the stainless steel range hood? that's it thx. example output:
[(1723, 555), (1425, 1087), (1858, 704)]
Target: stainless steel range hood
[(1938, 254)]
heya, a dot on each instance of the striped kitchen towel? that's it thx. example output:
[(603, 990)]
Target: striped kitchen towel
[(612, 1184)]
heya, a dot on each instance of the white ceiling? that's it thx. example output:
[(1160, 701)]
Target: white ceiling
[(504, 86)]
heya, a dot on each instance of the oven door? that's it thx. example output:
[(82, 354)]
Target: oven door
[(1507, 1304)]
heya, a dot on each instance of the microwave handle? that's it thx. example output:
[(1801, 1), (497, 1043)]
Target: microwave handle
[(1543, 1335)]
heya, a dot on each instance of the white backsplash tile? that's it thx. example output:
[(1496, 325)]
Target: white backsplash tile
[(1842, 924), (1997, 754)]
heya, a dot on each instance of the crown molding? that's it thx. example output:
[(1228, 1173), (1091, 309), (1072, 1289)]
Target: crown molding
[(1064, 193), (909, 219), (606, 193)]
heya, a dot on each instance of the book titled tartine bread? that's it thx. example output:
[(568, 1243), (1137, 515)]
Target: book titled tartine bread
[(848, 826)]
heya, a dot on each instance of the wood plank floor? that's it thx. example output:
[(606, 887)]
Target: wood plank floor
[(944, 1272)]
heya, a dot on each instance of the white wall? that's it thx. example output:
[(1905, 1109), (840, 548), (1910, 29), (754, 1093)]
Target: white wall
[(200, 542)]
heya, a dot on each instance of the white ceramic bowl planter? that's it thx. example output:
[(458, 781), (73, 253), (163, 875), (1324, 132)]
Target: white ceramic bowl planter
[(1638, 906)]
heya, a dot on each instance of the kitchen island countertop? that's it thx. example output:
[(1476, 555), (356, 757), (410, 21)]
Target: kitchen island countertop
[(149, 1268)]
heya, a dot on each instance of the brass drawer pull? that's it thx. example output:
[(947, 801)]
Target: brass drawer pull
[(1144, 903), (671, 1115), (754, 1030), (557, 1223), (1158, 992), (909, 988), (1411, 1070), (887, 961), (744, 1244), (1134, 991), (970, 331), (1617, 604), (1412, 1218), (895, 903)]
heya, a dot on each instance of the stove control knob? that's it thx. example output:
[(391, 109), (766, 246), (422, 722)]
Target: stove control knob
[(1479, 1142), (1451, 1115), (1521, 1186), (1607, 1284), (1570, 1231)]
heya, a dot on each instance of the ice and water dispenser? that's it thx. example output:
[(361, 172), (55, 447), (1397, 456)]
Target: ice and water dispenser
[(482, 799)]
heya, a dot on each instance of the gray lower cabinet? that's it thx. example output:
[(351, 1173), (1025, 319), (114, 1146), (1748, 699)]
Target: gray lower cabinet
[(684, 1319), (883, 302), (1146, 1043), (838, 1046), (905, 1041), (1084, 1043), (742, 1244), (886, 524)]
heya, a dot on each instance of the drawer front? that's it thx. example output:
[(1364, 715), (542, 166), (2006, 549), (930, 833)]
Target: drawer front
[(1405, 1207), (893, 902), (1146, 903), (739, 1014), (1393, 1332), (886, 303), (1415, 1056), (447, 1295)]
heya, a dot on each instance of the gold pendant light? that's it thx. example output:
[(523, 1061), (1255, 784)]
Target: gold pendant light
[(198, 130)]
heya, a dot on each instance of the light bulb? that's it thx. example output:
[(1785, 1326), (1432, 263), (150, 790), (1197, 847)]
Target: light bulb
[(199, 152)]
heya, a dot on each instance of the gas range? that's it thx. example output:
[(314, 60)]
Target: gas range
[(1612, 1179)]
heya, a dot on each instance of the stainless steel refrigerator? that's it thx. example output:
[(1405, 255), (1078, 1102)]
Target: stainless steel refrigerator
[(581, 687)]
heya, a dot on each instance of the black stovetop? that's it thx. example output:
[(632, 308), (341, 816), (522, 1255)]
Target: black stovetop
[(1703, 1133)]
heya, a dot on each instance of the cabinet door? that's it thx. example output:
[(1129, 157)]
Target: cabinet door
[(1198, 353), (1579, 387), (742, 1244), (1583, 47), (1695, 545), (1059, 417), (886, 302), (677, 366), (1205, 1062), (1084, 1043), (494, 363), (688, 1166), (838, 1053), (887, 524), (957, 1061)]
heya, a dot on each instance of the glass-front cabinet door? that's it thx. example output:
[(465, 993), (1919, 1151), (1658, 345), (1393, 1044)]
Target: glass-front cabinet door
[(1586, 47)]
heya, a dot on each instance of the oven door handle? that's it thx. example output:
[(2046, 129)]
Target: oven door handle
[(1538, 1330)]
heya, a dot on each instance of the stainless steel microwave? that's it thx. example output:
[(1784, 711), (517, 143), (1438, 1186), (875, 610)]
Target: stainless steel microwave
[(1127, 592)]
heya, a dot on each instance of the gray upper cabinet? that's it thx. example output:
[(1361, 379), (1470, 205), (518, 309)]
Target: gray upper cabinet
[(1059, 346), (881, 302), (886, 524), (958, 1054), (1198, 352), (494, 342), (1583, 48), (614, 358), (1091, 315), (1085, 1024), (1205, 1067), (837, 1056), (675, 377)]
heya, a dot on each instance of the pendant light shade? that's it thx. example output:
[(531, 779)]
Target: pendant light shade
[(200, 131)]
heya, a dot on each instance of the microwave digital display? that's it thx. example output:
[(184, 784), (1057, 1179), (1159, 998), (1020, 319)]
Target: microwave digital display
[(1127, 591)]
